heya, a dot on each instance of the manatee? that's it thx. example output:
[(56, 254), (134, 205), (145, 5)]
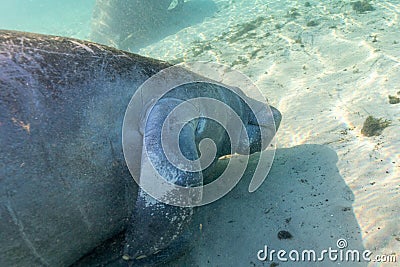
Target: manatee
[(127, 24), (67, 196)]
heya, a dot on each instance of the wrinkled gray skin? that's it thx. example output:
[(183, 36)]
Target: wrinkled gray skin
[(129, 24), (65, 190)]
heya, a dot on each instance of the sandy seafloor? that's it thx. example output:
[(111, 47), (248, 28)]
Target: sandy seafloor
[(328, 181)]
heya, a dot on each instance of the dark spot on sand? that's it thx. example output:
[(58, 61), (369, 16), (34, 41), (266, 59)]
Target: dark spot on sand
[(362, 6), (312, 23), (394, 99), (284, 235), (374, 126)]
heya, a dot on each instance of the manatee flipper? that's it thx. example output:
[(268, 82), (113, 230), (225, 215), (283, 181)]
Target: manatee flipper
[(157, 226)]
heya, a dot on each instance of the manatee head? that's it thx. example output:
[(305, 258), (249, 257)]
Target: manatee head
[(261, 124)]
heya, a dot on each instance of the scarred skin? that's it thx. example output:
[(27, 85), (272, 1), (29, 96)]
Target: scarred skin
[(66, 194), (65, 187)]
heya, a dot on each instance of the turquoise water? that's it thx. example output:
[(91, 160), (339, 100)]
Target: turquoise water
[(327, 66), (66, 18)]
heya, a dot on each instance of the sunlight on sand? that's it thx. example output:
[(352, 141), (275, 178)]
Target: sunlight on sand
[(326, 80)]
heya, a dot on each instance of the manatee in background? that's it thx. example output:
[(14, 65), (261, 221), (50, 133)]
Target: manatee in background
[(130, 23), (66, 194)]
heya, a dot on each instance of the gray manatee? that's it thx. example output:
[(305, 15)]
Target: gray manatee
[(130, 23), (67, 196)]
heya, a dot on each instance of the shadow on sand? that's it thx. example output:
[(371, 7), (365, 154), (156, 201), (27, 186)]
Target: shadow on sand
[(303, 194)]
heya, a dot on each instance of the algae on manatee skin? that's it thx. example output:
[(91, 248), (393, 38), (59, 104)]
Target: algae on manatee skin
[(374, 126)]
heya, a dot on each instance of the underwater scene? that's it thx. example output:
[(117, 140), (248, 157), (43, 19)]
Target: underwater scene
[(81, 121)]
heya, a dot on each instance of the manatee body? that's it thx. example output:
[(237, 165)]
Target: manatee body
[(65, 189), (64, 184), (129, 24)]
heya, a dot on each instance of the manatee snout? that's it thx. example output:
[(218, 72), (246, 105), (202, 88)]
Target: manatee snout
[(261, 129), (263, 118), (277, 117)]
